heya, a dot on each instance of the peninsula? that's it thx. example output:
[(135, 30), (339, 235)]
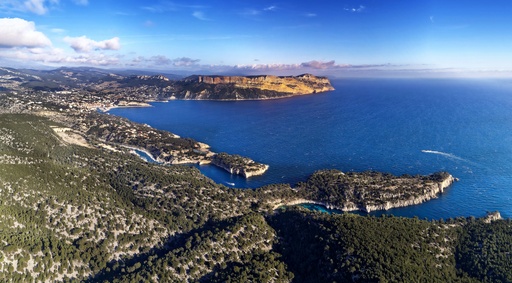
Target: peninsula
[(368, 191), (236, 164), (90, 88), (249, 88)]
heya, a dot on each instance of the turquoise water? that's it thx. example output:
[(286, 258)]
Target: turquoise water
[(144, 156), (391, 125)]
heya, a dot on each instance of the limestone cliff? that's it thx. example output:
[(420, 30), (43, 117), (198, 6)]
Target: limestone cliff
[(250, 87), (429, 192), (236, 164), (370, 191)]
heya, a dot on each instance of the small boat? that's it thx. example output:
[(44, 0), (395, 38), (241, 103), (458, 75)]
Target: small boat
[(231, 184)]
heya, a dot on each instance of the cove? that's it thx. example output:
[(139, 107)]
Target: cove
[(399, 126)]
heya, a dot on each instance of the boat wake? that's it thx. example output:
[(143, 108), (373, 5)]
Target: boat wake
[(447, 155)]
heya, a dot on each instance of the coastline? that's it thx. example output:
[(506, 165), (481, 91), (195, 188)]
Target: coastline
[(247, 171), (367, 208), (244, 99), (237, 169), (349, 207), (105, 109)]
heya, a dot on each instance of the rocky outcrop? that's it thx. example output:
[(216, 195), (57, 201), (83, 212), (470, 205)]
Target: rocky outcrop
[(250, 87), (429, 192), (492, 216), (236, 164), (303, 84), (371, 191)]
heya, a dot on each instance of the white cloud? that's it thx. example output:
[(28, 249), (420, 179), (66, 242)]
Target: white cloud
[(318, 64), (39, 7), (200, 15), (161, 60), (16, 32), (83, 44), (36, 6), (56, 56), (58, 30), (356, 10), (20, 41), (251, 12), (313, 65), (185, 62)]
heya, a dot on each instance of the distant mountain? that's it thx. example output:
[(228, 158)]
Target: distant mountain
[(66, 78)]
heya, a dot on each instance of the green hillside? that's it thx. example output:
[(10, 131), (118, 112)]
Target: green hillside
[(88, 213)]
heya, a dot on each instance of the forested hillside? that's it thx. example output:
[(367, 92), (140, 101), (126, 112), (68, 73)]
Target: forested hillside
[(87, 211)]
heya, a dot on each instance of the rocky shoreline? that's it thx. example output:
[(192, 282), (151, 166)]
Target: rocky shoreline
[(352, 193), (236, 164)]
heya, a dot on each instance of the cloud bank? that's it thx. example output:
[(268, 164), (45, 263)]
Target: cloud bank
[(21, 41), (83, 44), (162, 61), (15, 32)]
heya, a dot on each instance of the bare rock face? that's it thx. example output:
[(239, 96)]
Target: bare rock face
[(492, 216), (370, 191), (250, 87), (236, 164), (303, 84)]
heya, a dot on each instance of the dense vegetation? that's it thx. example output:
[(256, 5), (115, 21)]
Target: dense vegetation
[(98, 214), (350, 248), (484, 251), (370, 190)]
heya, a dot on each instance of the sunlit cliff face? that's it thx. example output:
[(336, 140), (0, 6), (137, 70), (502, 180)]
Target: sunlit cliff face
[(302, 84)]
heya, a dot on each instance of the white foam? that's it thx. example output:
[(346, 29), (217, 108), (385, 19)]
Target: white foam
[(447, 155)]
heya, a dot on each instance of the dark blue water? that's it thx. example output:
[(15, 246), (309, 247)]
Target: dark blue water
[(391, 125)]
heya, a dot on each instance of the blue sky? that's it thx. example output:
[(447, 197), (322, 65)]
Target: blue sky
[(288, 37)]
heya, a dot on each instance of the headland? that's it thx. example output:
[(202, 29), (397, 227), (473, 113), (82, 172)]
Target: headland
[(367, 191)]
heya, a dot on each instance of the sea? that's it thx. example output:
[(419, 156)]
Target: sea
[(398, 126)]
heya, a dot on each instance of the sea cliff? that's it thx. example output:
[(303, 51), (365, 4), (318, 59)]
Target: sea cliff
[(368, 191), (249, 87), (429, 191), (236, 164)]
